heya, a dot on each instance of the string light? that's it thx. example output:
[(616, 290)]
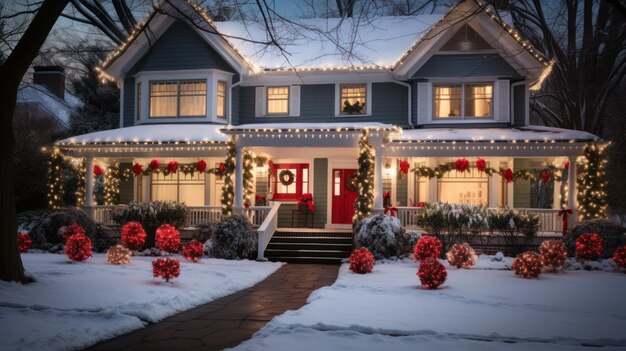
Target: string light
[(55, 179), (81, 182), (364, 203), (228, 190), (592, 197)]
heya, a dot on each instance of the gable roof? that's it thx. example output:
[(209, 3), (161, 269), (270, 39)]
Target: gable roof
[(39, 94)]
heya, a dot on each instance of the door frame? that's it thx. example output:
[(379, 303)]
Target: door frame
[(336, 164)]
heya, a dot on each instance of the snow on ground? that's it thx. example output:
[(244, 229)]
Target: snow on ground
[(74, 305), (485, 308)]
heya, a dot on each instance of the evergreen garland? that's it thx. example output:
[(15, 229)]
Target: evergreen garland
[(248, 177), (228, 190), (55, 180), (364, 203), (81, 182), (591, 181)]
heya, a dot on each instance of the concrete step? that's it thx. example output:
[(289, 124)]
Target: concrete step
[(307, 260), (310, 246), (305, 253), (311, 240)]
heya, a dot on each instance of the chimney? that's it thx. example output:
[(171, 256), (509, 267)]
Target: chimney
[(52, 77)]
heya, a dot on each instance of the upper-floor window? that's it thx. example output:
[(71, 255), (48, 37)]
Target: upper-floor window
[(353, 99), (220, 111), (468, 100), (278, 100), (178, 98)]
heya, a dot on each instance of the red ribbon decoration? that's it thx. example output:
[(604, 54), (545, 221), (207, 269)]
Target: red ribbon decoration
[(566, 165), (392, 210), (154, 164), (565, 214), (481, 165), (222, 167), (137, 169), (97, 170), (545, 177), (404, 167), (461, 165), (307, 199), (172, 166), (385, 194), (508, 175), (201, 166)]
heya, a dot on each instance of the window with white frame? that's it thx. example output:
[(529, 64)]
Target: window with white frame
[(278, 100), (460, 101), (353, 99), (220, 111), (179, 187), (178, 98), (470, 187)]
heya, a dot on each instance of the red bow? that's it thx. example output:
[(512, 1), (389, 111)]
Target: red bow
[(566, 165), (137, 169), (201, 166), (481, 165), (307, 199), (98, 171), (385, 194), (545, 177), (392, 210), (508, 175), (222, 167), (461, 165), (565, 214), (404, 167), (172, 166), (154, 164)]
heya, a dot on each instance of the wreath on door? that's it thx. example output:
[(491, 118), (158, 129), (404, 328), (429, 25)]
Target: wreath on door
[(286, 177), (352, 182)]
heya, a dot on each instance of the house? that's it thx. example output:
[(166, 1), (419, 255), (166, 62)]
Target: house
[(428, 90)]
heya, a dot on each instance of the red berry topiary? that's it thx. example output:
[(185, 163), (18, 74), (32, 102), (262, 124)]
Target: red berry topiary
[(589, 246), (133, 235), (165, 268), (362, 261), (78, 247), (72, 229), (461, 256), (619, 257), (167, 238), (427, 247), (527, 265), (432, 273), (23, 242), (193, 251), (553, 253)]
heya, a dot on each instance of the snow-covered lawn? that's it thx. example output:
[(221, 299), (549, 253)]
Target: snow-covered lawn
[(485, 308), (74, 305)]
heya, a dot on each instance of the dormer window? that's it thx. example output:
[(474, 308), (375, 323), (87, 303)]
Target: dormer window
[(178, 98), (461, 101)]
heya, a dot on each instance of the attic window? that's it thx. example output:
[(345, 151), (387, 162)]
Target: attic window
[(178, 98)]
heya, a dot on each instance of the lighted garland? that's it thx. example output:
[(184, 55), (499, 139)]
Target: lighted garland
[(112, 185), (364, 203), (286, 177), (81, 182), (55, 180), (228, 189), (248, 178), (352, 182), (592, 201)]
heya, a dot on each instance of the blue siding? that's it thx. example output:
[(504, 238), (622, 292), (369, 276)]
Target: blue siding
[(414, 101), (519, 105), (129, 102), (469, 65), (320, 177), (235, 102)]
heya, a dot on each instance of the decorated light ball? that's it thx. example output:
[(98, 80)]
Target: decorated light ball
[(361, 261), (461, 256), (589, 246), (166, 268), (118, 254), (619, 257), (72, 229), (78, 247), (553, 253), (427, 247), (527, 265), (167, 238), (23, 242), (432, 273), (193, 251), (133, 235)]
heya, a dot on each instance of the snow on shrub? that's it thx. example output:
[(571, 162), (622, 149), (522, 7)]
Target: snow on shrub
[(133, 235), (619, 257), (432, 273), (553, 253), (166, 268), (589, 246), (73, 229), (233, 238), (23, 242), (406, 242), (427, 247), (78, 247), (378, 233), (193, 251), (461, 256), (118, 254), (527, 265), (167, 238), (361, 261)]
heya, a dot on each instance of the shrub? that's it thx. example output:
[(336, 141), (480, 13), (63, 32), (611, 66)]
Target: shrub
[(165, 268), (612, 235), (193, 251), (45, 227), (427, 247), (118, 254), (23, 242), (133, 235), (589, 246), (553, 253), (378, 234), (234, 238), (527, 265), (461, 256), (516, 227), (432, 273), (168, 238), (204, 231), (619, 257), (78, 247), (151, 215), (406, 242), (361, 261)]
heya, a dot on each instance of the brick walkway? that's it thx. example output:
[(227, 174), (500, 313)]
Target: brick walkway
[(228, 321)]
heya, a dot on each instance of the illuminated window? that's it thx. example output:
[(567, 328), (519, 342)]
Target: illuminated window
[(478, 99), (179, 187), (300, 183), (459, 101), (353, 99), (171, 99), (470, 187), (221, 99), (447, 103), (278, 100)]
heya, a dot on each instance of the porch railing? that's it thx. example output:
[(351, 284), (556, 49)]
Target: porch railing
[(197, 215), (257, 214), (101, 214), (267, 229)]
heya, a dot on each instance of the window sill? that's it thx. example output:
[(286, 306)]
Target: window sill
[(355, 115), (461, 120), (275, 116)]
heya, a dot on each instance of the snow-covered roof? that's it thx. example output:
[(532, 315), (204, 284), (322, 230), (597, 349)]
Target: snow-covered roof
[(309, 126), (517, 134), (40, 94), (153, 133)]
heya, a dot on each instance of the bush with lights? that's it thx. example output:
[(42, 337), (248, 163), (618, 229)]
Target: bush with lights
[(553, 253), (619, 257), (592, 199), (118, 254), (427, 247), (72, 229), (193, 251), (78, 247), (432, 273), (133, 235), (166, 268), (167, 238), (589, 246), (151, 214), (613, 235), (364, 203), (461, 256), (361, 261), (527, 265), (23, 242)]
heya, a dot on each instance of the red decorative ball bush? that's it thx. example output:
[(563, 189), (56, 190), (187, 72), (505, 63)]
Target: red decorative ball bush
[(553, 253), (78, 247), (461, 256), (73, 229), (23, 242), (527, 265), (619, 257), (427, 247), (167, 238), (432, 273), (193, 251), (361, 261), (133, 235), (589, 246), (166, 268)]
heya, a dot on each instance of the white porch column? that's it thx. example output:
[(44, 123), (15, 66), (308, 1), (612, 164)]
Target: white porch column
[(238, 203), (89, 183), (378, 178), (572, 191)]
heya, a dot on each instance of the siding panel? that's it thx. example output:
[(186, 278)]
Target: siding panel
[(467, 65), (320, 176), (129, 102), (521, 187), (519, 105)]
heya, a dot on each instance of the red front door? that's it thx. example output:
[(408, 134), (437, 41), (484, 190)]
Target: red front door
[(343, 197)]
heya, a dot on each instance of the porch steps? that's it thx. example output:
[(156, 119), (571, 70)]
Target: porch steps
[(309, 246)]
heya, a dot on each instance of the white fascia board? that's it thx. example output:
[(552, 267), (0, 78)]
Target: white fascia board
[(317, 77)]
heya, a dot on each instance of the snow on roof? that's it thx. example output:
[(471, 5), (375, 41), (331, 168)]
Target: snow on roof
[(310, 126), (40, 94), (521, 134), (163, 133)]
